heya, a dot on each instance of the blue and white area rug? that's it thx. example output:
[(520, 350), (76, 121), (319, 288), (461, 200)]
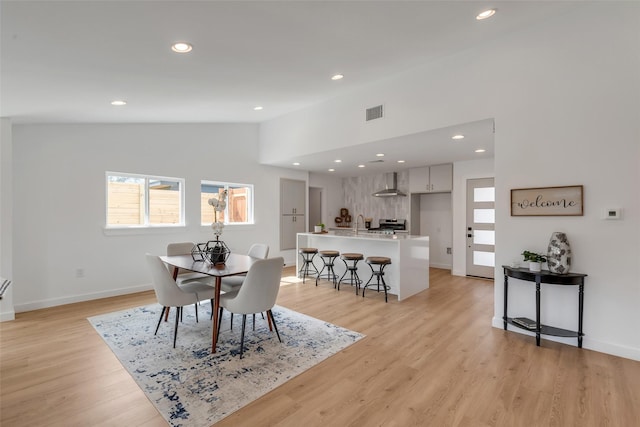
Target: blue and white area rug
[(192, 387)]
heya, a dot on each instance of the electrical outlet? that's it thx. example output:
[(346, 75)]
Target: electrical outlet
[(448, 251), (79, 272)]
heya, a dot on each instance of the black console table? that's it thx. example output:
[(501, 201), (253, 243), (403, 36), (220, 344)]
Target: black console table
[(539, 277)]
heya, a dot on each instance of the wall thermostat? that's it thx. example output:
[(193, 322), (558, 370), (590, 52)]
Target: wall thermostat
[(613, 213)]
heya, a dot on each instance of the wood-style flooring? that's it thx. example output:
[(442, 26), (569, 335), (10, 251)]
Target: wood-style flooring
[(431, 360)]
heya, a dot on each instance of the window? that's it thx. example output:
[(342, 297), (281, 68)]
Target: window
[(239, 208), (144, 201)]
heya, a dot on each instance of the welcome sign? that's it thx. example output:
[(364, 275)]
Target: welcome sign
[(547, 201)]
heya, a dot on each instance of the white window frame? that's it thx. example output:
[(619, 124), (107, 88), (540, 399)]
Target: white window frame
[(226, 185), (147, 179)]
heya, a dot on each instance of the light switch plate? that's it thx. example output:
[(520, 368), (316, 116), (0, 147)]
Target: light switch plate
[(612, 213)]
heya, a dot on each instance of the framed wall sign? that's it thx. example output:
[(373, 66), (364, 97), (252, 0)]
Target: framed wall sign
[(547, 201)]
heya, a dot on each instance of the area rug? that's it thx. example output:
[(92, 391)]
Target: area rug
[(192, 387)]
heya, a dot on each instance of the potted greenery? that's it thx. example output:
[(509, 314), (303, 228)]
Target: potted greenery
[(535, 260), (319, 228)]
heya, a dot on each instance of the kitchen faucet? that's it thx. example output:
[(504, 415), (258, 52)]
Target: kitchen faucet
[(355, 229)]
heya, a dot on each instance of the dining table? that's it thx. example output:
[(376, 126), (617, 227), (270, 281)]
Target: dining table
[(234, 265)]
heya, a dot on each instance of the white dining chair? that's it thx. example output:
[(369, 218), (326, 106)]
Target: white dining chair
[(258, 293), (169, 294), (185, 276), (232, 283)]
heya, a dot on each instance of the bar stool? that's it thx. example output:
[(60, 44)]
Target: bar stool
[(351, 262), (307, 261), (380, 262), (328, 257)]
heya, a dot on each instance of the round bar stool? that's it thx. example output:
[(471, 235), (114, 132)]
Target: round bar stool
[(307, 261), (380, 262), (328, 257), (351, 262)]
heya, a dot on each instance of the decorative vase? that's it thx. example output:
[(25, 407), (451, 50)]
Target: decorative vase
[(559, 253), (535, 266), (317, 228)]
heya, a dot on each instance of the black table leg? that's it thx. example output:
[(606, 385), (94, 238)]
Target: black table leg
[(506, 290), (538, 312), (580, 309)]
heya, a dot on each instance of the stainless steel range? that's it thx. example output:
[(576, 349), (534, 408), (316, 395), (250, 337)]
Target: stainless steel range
[(390, 226)]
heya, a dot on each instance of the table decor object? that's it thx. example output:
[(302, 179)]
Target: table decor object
[(534, 259), (217, 251), (559, 253)]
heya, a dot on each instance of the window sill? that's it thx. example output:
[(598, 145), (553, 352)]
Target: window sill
[(140, 231)]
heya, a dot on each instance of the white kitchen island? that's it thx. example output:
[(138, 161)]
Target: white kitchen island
[(408, 272)]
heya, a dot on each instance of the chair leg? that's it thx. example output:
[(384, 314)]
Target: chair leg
[(244, 322), (270, 314), (196, 304), (231, 322), (254, 321), (160, 320), (211, 308), (175, 330)]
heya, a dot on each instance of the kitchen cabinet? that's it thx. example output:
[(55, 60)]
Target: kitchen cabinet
[(292, 197), (292, 211), (431, 179)]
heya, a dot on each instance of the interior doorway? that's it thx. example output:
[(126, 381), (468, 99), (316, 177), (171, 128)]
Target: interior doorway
[(480, 231), (315, 207)]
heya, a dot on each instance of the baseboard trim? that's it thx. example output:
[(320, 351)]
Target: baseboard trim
[(54, 302), (587, 342)]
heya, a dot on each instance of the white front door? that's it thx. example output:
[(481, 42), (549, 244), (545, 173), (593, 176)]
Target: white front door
[(480, 227)]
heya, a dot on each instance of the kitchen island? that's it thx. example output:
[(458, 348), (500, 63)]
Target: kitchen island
[(408, 272)]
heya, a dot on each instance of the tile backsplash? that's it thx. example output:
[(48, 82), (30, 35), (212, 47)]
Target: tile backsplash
[(358, 198)]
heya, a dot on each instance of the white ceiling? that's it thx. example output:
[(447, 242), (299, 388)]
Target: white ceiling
[(65, 61)]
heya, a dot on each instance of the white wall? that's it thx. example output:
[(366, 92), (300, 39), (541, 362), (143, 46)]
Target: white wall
[(59, 202), (332, 196), (565, 98), (436, 221), (6, 217), (463, 171)]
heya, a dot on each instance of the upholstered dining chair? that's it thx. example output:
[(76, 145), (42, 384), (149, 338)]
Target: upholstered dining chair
[(232, 283), (258, 293), (185, 276), (169, 294), (190, 281)]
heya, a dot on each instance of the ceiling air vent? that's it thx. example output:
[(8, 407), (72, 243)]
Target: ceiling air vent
[(374, 113)]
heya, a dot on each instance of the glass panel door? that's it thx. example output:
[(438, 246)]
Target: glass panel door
[(480, 227)]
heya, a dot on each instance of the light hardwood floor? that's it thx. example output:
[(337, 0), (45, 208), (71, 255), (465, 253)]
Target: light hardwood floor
[(432, 360)]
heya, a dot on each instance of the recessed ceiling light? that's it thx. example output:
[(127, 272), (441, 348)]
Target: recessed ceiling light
[(337, 77), (337, 161), (257, 108), (480, 150), (119, 102), (360, 166), (181, 47), (332, 170), (457, 136), (486, 14), (296, 163), (380, 155), (400, 161)]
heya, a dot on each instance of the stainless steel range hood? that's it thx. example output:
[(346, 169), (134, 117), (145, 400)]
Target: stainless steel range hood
[(391, 188)]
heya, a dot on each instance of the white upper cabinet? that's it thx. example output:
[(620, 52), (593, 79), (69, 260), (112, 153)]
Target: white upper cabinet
[(431, 179), (292, 197)]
